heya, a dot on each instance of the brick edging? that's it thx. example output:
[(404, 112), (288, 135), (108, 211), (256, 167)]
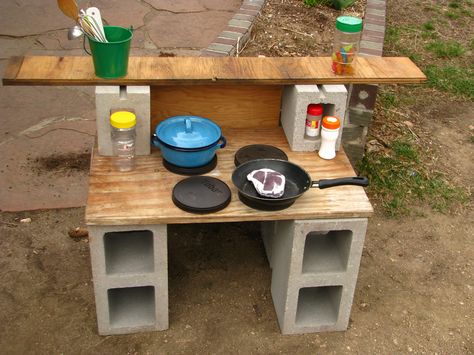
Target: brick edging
[(373, 34), (239, 27), (237, 30)]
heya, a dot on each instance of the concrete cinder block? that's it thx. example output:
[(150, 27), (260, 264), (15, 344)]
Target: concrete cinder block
[(295, 101), (113, 98), (268, 231), (130, 274), (315, 268)]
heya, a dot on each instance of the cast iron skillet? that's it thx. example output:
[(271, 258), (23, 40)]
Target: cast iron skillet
[(297, 182)]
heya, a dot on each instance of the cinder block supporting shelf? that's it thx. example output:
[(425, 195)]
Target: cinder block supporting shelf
[(324, 228)]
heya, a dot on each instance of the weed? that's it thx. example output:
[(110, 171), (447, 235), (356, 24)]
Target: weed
[(414, 57), (388, 99), (449, 49), (471, 139), (312, 3), (405, 150), (429, 26), (454, 5), (452, 79), (452, 15), (399, 180), (392, 35)]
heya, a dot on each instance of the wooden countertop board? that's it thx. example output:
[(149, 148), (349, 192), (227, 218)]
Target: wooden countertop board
[(143, 196), (52, 70)]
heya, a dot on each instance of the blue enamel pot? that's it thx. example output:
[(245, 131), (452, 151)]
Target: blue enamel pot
[(188, 141)]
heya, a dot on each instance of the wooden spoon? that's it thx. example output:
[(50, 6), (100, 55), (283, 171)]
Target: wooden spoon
[(69, 8)]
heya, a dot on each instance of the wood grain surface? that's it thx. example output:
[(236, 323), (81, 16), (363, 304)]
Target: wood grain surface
[(226, 105), (143, 196), (51, 70)]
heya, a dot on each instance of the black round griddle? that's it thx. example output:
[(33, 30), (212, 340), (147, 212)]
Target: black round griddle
[(297, 182), (258, 151), (201, 194), (198, 170)]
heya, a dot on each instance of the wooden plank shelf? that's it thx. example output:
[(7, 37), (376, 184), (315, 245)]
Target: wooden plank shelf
[(143, 196), (158, 71)]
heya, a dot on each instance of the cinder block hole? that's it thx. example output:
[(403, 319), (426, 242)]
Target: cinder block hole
[(122, 92), (129, 252), (327, 251), (329, 110), (132, 306), (318, 306)]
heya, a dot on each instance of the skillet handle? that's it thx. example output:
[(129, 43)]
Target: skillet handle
[(355, 180)]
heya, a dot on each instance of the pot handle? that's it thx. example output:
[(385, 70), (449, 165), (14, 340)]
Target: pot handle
[(355, 180), (223, 144), (155, 141)]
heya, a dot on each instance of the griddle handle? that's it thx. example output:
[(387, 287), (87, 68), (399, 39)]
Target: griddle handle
[(355, 180)]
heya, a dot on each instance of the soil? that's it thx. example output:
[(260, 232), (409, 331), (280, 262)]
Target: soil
[(414, 292), (58, 163), (288, 28)]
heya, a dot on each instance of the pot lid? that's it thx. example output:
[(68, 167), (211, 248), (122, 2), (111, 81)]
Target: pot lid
[(258, 151), (188, 132), (201, 194)]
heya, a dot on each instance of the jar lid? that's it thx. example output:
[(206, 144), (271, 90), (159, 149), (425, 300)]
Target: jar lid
[(123, 119), (331, 122), (188, 132), (349, 24), (315, 109)]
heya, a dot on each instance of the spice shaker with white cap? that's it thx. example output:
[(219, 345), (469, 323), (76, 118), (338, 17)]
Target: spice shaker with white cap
[(329, 134)]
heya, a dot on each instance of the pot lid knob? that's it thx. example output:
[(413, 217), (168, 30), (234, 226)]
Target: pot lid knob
[(189, 125)]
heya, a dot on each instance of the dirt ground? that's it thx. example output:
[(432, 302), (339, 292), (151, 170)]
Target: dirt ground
[(414, 293)]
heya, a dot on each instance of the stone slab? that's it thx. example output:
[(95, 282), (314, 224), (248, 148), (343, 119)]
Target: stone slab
[(168, 30)]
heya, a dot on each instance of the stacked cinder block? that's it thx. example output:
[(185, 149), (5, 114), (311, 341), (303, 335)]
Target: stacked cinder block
[(295, 101), (314, 271), (127, 98), (362, 96), (130, 274)]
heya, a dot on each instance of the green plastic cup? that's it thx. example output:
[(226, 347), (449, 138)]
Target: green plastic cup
[(111, 59)]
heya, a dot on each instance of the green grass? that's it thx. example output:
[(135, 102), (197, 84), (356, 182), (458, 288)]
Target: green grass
[(452, 15), (392, 35), (446, 49), (428, 26), (454, 5), (387, 99), (399, 180), (312, 3), (452, 79)]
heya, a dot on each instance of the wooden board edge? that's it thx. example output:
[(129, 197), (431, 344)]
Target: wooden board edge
[(368, 212), (12, 70), (145, 82)]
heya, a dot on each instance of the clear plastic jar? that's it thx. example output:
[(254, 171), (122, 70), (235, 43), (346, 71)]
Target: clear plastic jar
[(123, 139), (346, 44)]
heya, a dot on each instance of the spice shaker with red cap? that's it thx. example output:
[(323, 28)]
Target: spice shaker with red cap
[(313, 119)]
